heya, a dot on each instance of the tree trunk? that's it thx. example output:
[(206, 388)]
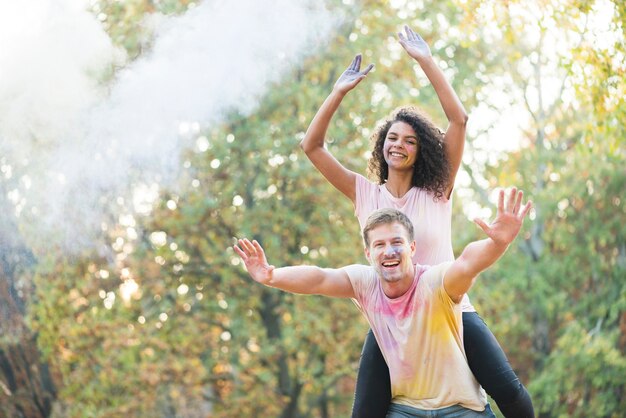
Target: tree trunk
[(26, 386)]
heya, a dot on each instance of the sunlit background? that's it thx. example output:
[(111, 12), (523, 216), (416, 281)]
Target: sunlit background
[(138, 138)]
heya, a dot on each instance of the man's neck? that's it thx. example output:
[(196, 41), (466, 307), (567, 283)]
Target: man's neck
[(396, 289)]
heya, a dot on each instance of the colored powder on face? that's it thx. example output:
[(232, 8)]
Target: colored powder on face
[(395, 253)]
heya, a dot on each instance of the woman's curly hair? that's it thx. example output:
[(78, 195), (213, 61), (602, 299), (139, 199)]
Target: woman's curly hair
[(432, 168)]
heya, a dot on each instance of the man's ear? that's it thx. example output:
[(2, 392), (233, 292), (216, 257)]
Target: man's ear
[(413, 247), (367, 253)]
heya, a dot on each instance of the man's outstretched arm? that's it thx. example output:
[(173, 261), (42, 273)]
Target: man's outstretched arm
[(309, 280), (480, 255)]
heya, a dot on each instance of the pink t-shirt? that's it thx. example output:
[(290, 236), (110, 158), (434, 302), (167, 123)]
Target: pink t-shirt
[(420, 336), (432, 221)]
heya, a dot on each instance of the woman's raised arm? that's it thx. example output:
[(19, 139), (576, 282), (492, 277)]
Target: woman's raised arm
[(454, 138), (313, 143)]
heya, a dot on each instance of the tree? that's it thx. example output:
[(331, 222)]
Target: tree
[(573, 255), (26, 385)]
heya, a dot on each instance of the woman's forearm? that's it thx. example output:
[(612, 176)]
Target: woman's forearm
[(450, 102), (316, 133)]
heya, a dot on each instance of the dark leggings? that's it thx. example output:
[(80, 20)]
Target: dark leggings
[(484, 356)]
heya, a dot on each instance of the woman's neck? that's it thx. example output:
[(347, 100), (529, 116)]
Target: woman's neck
[(398, 184)]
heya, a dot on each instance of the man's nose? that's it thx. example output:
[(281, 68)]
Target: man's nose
[(389, 250)]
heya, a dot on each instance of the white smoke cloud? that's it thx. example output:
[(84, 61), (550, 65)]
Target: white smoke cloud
[(79, 141), (49, 54)]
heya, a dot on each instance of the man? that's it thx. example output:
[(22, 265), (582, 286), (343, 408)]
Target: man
[(412, 309)]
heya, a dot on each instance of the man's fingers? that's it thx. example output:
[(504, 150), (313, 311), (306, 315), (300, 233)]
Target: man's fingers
[(525, 209), (518, 201), (240, 253), (258, 248), (510, 202), (247, 246), (368, 69), (481, 224), (501, 201)]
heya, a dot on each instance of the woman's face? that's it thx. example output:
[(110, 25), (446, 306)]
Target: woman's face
[(401, 146)]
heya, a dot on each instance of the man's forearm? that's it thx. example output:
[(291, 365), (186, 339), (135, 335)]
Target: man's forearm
[(480, 255), (297, 279)]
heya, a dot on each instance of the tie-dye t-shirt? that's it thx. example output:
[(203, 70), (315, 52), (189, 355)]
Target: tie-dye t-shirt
[(420, 336), (432, 221)]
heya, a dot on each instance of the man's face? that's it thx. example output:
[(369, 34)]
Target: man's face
[(390, 252)]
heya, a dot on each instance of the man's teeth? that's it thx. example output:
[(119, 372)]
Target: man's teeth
[(390, 263)]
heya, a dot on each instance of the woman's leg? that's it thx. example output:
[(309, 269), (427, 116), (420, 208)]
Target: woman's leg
[(492, 369), (373, 387)]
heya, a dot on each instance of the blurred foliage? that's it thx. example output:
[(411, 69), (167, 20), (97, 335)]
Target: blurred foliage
[(557, 301), (198, 338)]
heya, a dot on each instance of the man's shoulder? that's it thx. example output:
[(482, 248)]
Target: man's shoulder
[(362, 278), (434, 274), (359, 271)]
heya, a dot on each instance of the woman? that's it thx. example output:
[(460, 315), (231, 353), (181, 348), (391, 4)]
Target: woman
[(415, 165)]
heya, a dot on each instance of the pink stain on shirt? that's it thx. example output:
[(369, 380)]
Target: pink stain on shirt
[(401, 307)]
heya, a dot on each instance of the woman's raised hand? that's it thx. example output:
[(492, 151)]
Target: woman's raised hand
[(414, 44), (352, 76)]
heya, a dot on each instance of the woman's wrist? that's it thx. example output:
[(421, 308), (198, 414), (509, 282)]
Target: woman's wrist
[(426, 61), (338, 94)]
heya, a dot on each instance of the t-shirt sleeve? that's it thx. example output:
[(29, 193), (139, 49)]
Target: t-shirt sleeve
[(433, 276), (364, 196), (361, 278)]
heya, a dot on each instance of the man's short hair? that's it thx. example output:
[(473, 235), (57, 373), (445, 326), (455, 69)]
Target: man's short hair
[(385, 217)]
